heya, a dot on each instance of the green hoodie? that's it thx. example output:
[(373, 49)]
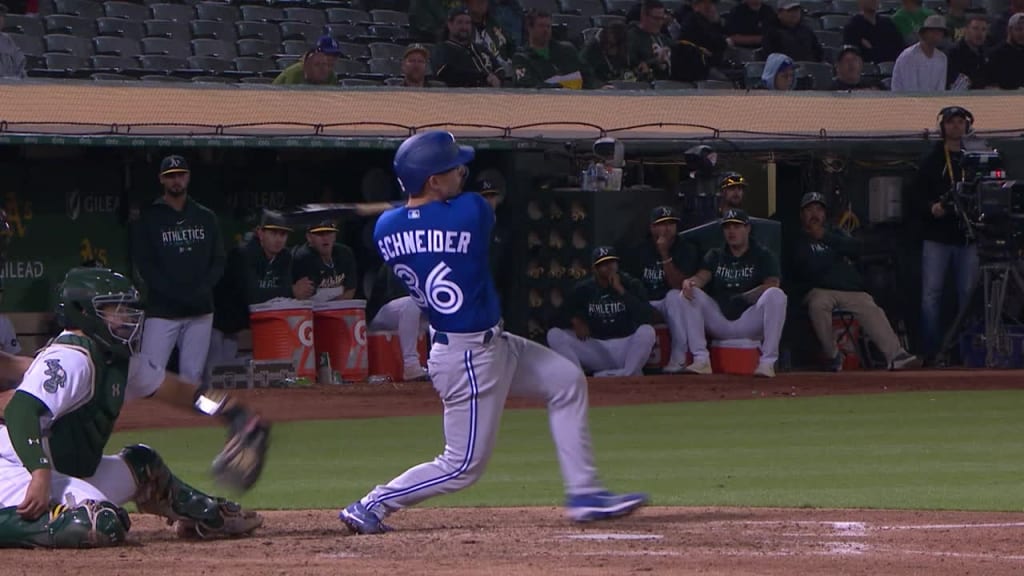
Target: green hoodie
[(532, 67)]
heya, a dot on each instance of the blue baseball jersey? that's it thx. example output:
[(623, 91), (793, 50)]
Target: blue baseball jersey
[(440, 251)]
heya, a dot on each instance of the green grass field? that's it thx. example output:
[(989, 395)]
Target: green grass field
[(929, 450)]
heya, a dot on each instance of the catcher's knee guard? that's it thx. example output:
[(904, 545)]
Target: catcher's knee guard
[(160, 492), (88, 524)]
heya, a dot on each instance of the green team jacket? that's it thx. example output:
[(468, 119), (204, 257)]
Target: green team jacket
[(530, 68)]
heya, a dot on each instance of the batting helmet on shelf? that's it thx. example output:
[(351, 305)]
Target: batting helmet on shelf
[(423, 155)]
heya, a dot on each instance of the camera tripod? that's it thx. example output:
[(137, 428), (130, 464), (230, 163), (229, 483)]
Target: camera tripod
[(996, 279)]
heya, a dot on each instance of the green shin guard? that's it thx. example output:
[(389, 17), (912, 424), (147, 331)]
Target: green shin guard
[(197, 514), (89, 524)]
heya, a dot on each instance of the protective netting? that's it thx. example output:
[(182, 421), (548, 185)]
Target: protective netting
[(69, 108)]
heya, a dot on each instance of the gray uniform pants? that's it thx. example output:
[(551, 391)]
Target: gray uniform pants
[(763, 321), (190, 335)]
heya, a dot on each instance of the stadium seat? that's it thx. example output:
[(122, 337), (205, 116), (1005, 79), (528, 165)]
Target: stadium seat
[(30, 45), (673, 6), (175, 12), (110, 77), (215, 48), (307, 15), (387, 50), (890, 6), (126, 11), (390, 33), (886, 83), (590, 35), (346, 32), (294, 47), (257, 80), (885, 68), (816, 7), (160, 63), (162, 78), (586, 8), (937, 6), (673, 85), (715, 85), (355, 51), (389, 17), (252, 47), (347, 16), (870, 69), (104, 62), (166, 47), (262, 14), (830, 38), (117, 27), (820, 73), (574, 24), (218, 11), (549, 6), (168, 30), (210, 64), (812, 22), (834, 22), (73, 25), (359, 82), (848, 7), (752, 74), (27, 24), (114, 46), (300, 31), (213, 80), (385, 66), (214, 30), (283, 63), (68, 44), (254, 65), (604, 20), (84, 8), (58, 61), (350, 67), (259, 31), (621, 7)]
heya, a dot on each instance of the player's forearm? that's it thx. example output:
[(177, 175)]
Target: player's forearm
[(180, 393), (22, 419), (12, 367), (673, 276)]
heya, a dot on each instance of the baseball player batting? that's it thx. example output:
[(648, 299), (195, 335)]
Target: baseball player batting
[(438, 245)]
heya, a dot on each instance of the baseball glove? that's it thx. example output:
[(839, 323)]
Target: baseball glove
[(239, 464)]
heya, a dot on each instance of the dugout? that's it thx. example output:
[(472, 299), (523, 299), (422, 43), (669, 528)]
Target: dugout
[(76, 157)]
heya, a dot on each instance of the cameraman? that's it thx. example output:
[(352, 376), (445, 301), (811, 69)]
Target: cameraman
[(945, 243)]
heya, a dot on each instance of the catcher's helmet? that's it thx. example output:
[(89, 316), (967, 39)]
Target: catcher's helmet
[(423, 155), (85, 291)]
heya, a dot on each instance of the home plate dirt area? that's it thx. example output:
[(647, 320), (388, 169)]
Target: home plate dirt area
[(658, 540)]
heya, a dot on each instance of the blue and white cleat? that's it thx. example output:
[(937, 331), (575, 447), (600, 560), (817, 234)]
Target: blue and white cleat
[(362, 521), (603, 505)]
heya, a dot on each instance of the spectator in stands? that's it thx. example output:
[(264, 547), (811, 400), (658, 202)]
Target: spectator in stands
[(909, 18), (259, 271), (662, 262), (12, 60), (414, 66), (791, 37), (607, 57), (178, 251), (735, 294), (876, 36), (427, 19), (703, 29), (391, 308), (968, 57), (544, 63), (922, 66), (610, 334), (316, 66), (487, 32), (779, 72), (649, 47), (747, 23), (330, 266), (461, 63), (825, 278), (1005, 66), (956, 18), (945, 245), (996, 34), (849, 71)]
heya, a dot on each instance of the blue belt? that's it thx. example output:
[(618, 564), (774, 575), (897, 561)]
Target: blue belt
[(442, 338)]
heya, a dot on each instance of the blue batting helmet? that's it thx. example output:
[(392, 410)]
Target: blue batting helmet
[(423, 155)]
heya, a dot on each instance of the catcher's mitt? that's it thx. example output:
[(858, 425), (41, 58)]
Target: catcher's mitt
[(239, 464)]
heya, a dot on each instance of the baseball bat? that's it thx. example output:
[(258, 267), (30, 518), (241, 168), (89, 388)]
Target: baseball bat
[(310, 213)]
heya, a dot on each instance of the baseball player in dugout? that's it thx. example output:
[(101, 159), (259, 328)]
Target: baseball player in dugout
[(179, 254), (731, 189), (256, 272), (735, 294), (663, 261), (57, 489), (945, 245), (330, 266), (438, 244), (825, 278), (610, 334)]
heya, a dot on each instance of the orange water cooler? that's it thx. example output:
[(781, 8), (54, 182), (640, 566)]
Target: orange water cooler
[(340, 328), (282, 329)]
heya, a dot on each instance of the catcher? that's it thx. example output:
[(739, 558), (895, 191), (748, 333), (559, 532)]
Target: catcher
[(57, 489)]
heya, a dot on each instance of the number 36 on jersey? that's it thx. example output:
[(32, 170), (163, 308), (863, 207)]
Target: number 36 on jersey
[(436, 292)]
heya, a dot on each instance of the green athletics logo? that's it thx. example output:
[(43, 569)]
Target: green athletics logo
[(57, 376)]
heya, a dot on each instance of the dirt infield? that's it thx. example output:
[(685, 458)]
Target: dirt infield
[(457, 541)]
